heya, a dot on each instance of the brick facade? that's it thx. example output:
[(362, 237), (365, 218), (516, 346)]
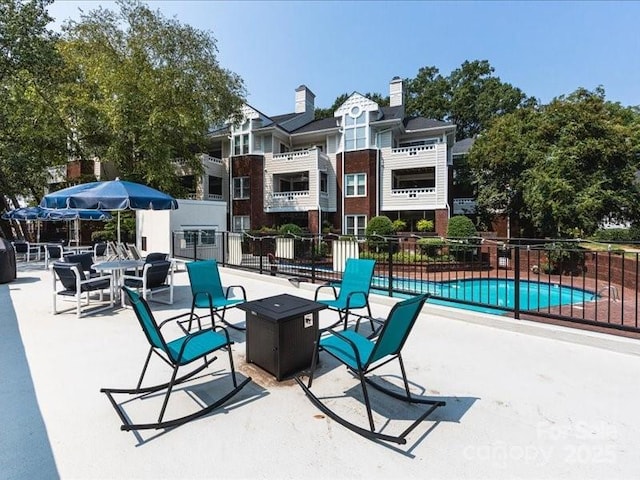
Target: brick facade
[(251, 166), (361, 161)]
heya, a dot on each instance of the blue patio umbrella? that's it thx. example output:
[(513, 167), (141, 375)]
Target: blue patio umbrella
[(112, 195), (47, 214)]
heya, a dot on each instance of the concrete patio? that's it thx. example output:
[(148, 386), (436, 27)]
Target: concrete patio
[(524, 400)]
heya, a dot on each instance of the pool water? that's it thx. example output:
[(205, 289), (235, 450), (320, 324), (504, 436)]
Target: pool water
[(492, 292)]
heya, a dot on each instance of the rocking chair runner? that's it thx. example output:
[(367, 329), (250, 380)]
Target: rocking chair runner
[(176, 353), (362, 356)]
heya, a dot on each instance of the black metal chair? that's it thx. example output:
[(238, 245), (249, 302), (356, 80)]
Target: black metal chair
[(85, 260), (155, 277), (362, 356), (26, 250), (175, 353), (75, 285), (54, 252), (155, 256)]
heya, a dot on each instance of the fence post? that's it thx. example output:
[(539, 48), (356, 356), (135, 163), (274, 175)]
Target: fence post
[(195, 248), (260, 254), (224, 248), (313, 258), (390, 268), (516, 281)]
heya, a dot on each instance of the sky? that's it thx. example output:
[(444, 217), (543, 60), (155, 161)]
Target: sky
[(546, 48)]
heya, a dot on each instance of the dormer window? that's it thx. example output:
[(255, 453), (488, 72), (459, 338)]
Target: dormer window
[(356, 127)]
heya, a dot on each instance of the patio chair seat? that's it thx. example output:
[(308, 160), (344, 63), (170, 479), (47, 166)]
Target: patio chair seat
[(155, 277), (342, 348), (207, 291), (75, 284), (175, 353), (198, 346), (353, 290)]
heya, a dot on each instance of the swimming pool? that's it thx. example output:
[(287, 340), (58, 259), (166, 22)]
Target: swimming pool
[(497, 292)]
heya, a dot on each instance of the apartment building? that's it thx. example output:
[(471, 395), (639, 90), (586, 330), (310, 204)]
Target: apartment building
[(366, 160)]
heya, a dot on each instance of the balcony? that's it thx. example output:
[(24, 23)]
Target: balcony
[(413, 192), (413, 151)]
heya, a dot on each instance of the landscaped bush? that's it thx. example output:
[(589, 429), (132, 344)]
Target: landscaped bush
[(616, 234), (290, 228), (399, 225), (382, 226), (431, 247), (461, 227), (424, 225), (564, 258)]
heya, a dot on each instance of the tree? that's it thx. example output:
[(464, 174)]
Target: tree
[(146, 90), (471, 97), (32, 136), (563, 168)]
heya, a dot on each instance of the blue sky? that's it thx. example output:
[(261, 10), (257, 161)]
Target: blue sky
[(545, 48)]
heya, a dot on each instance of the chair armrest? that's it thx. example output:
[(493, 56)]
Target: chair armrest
[(351, 294), (89, 281), (230, 289), (335, 294), (170, 319), (350, 343)]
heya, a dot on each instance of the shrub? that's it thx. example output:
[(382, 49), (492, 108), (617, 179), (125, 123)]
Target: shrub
[(399, 225), (381, 225), (564, 257), (431, 246), (290, 228), (461, 227), (425, 225), (103, 236), (614, 235)]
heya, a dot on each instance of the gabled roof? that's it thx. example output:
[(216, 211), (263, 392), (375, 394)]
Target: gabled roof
[(421, 123), (318, 125), (462, 146), (391, 113)]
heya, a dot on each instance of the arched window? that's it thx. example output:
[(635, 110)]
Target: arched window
[(356, 128)]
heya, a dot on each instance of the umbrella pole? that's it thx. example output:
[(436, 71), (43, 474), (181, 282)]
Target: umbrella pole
[(118, 227)]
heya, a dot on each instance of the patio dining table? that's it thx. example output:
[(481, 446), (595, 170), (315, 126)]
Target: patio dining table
[(117, 268)]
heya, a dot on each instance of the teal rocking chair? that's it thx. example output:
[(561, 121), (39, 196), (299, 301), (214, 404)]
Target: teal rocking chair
[(353, 290), (207, 291), (176, 353), (362, 356)]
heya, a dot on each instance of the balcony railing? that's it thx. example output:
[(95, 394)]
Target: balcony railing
[(412, 192), (410, 151), (291, 195), (292, 156), (209, 159)]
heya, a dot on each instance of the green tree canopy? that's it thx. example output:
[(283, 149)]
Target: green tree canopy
[(471, 96), (564, 168), (32, 136), (143, 90)]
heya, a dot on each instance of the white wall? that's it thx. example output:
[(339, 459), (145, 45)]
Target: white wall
[(157, 225)]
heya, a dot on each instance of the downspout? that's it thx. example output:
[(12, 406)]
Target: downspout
[(378, 179), (230, 187)]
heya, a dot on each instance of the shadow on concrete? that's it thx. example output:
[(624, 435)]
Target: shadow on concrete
[(25, 450)]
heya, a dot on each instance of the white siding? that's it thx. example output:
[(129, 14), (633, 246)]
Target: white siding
[(432, 156)]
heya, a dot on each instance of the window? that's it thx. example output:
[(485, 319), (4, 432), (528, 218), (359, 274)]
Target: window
[(241, 223), (241, 139), (241, 188), (324, 182), (355, 185), (355, 129), (215, 185), (355, 225)]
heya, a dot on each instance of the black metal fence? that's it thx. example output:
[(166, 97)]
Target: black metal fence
[(571, 281)]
